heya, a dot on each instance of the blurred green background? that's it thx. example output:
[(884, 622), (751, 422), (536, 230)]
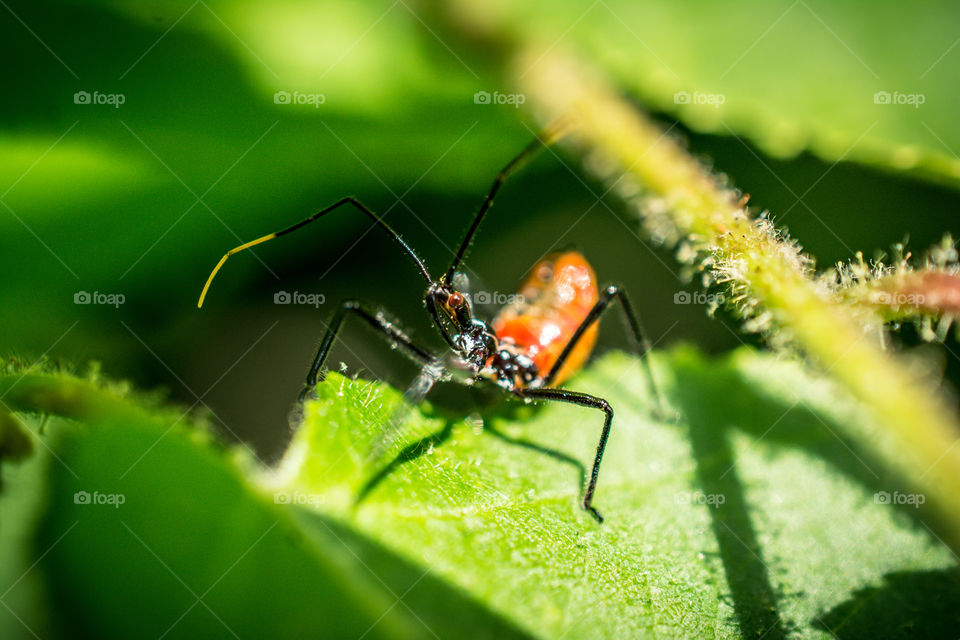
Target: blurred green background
[(142, 198)]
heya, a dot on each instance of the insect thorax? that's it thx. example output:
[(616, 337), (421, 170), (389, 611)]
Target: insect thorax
[(511, 368)]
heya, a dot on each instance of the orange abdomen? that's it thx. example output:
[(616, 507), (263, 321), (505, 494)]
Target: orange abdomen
[(555, 300)]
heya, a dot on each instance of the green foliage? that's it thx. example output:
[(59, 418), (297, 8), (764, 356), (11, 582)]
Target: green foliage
[(760, 512), (867, 82), (124, 216), (115, 482), (718, 525), (129, 178)]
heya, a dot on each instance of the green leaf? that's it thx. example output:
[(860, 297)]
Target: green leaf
[(747, 515), (234, 562), (797, 531), (789, 75), (20, 587)]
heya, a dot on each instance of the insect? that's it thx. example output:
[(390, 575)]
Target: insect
[(529, 349)]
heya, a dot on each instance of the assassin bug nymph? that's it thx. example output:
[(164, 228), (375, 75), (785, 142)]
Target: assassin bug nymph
[(531, 346)]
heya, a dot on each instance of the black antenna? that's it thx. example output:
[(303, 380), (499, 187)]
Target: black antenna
[(549, 135), (348, 200)]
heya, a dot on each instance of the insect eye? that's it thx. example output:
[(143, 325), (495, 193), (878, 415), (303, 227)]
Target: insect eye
[(455, 300), (544, 273)]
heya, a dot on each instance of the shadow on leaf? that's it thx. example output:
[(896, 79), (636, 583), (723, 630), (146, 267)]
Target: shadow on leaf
[(920, 604)]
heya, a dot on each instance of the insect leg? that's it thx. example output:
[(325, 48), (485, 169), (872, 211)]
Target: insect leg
[(375, 320), (637, 334), (584, 400)]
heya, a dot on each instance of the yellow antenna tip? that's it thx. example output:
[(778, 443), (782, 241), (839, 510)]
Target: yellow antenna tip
[(247, 245), (206, 286)]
